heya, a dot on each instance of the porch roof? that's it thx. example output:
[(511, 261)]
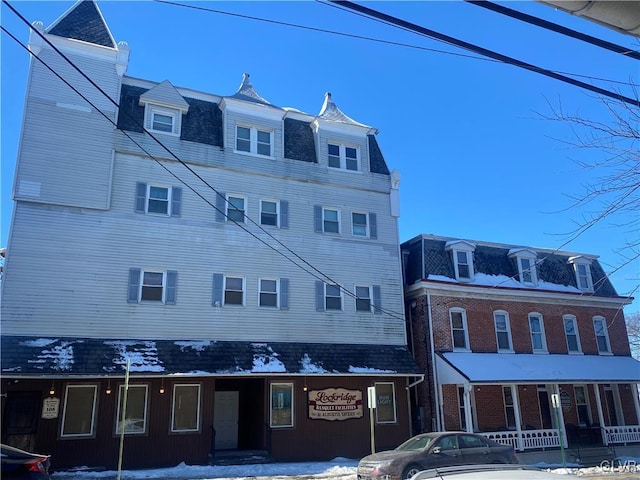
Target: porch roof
[(467, 367), (63, 357)]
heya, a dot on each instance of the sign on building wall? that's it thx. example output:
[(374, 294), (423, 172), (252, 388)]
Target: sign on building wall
[(335, 404), (50, 407)]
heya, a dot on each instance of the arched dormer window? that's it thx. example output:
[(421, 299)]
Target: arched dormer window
[(462, 255), (526, 260)]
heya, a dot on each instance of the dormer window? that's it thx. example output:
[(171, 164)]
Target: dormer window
[(163, 109), (254, 140), (582, 268), (162, 120), (526, 260), (343, 157), (462, 253)]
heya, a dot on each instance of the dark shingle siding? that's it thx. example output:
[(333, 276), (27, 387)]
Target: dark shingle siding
[(84, 23), (202, 123), (131, 113), (376, 160), (299, 142), (437, 261), (492, 261), (20, 356)]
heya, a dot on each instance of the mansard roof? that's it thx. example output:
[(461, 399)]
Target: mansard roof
[(33, 356), (429, 259), (84, 22)]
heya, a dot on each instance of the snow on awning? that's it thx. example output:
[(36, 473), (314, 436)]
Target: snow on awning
[(467, 367)]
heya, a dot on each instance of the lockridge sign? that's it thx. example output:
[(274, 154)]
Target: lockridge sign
[(335, 404)]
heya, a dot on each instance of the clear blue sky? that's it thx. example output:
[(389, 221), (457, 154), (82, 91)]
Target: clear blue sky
[(476, 160)]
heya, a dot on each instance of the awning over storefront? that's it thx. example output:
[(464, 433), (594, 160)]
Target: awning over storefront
[(497, 368), (69, 357)]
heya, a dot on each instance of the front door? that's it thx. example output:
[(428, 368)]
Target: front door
[(225, 419), (545, 409), (20, 422)]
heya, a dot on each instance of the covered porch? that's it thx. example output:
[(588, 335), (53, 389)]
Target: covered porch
[(534, 401)]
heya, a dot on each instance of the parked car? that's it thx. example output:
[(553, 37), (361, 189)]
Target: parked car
[(20, 465), (430, 450), (487, 472)]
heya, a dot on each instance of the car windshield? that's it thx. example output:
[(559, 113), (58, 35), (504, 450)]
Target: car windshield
[(416, 443)]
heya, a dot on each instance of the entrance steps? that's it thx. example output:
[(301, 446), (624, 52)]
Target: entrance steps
[(593, 456), (240, 457)]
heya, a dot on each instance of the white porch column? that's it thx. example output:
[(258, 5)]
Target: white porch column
[(596, 388), (556, 390), (636, 402), (468, 418), (516, 412)]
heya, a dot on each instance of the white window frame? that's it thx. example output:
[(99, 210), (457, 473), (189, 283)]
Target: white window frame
[(393, 401), (253, 140), (507, 330), (277, 212), (277, 406), (541, 333), (146, 408), (369, 298), (229, 204), (225, 289), (366, 225), (342, 157), (582, 270), (327, 296), (338, 215), (65, 409), (574, 321), (460, 246), (465, 329), (530, 269), (173, 408), (605, 335), (163, 286), (276, 293), (148, 200), (175, 115)]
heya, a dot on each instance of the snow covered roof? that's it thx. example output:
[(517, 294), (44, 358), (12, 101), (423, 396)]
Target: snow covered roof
[(463, 367), (29, 356)]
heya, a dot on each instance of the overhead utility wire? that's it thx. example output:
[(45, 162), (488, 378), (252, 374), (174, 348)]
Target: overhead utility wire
[(322, 276), (389, 19), (556, 28), (362, 37)]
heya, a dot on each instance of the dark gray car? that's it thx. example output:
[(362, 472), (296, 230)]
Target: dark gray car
[(431, 450)]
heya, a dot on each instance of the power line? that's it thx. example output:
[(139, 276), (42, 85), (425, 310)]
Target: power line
[(403, 24), (322, 276), (362, 37), (556, 28)]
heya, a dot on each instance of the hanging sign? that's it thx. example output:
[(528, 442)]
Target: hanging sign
[(50, 407), (335, 404)]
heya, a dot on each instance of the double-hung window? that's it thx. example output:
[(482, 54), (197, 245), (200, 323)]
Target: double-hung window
[(233, 290), (459, 332), (364, 225), (602, 335), (462, 253), (79, 411), (571, 334), (281, 405), (582, 404), (503, 331), (509, 409), (132, 418), (363, 299), (269, 292), (158, 199), (582, 269), (526, 261), (536, 329), (274, 213), (185, 414), (254, 140), (343, 157), (152, 286), (328, 296), (161, 120), (236, 208), (330, 220)]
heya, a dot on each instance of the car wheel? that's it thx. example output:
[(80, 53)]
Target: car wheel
[(410, 471)]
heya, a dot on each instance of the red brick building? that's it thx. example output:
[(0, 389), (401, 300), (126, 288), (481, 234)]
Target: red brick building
[(516, 342)]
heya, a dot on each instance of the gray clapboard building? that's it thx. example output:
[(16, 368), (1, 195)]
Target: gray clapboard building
[(238, 259)]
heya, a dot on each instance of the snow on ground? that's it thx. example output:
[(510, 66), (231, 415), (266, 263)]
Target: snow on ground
[(339, 468)]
